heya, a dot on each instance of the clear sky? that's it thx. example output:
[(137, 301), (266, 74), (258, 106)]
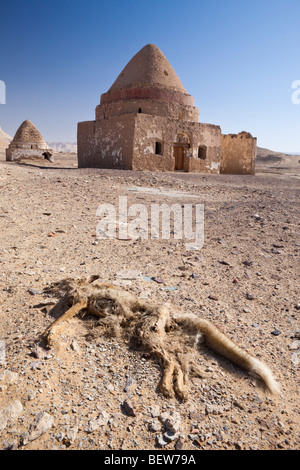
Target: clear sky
[(238, 59)]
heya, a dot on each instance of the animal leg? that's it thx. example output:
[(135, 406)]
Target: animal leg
[(58, 325)]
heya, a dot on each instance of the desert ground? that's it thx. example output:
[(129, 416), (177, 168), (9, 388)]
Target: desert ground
[(93, 390)]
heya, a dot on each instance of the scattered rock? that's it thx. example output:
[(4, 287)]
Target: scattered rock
[(218, 409), (128, 384), (179, 444), (296, 358), (95, 423), (171, 421), (129, 408), (8, 377), (213, 297), (249, 296), (34, 291), (161, 441), (128, 275), (10, 413), (154, 425), (158, 280), (276, 332), (40, 425), (295, 345)]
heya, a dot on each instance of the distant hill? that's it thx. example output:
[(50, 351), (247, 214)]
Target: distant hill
[(5, 139), (64, 147), (266, 157)]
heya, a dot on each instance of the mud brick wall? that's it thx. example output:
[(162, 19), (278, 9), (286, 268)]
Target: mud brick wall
[(238, 154)]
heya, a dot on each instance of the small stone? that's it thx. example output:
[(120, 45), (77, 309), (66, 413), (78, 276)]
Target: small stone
[(276, 332), (34, 291), (160, 440), (95, 423), (195, 276), (158, 280), (248, 263), (213, 297), (296, 358), (128, 384), (74, 345), (128, 274), (249, 296), (35, 365), (170, 436), (172, 422), (179, 444), (70, 436), (128, 408), (295, 345), (154, 410), (154, 425)]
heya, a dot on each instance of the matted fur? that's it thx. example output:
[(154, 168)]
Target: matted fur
[(170, 337)]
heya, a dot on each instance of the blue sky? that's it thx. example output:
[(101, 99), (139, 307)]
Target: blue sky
[(238, 60)]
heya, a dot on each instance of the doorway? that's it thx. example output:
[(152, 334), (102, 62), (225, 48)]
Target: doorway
[(179, 158)]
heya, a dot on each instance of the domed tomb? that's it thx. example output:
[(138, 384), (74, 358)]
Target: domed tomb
[(27, 143), (148, 121)]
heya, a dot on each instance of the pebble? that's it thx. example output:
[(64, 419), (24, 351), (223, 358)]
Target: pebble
[(128, 384), (161, 441), (95, 423), (276, 332), (128, 408), (34, 291), (171, 421)]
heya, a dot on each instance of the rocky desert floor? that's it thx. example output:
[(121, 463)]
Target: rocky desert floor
[(96, 391)]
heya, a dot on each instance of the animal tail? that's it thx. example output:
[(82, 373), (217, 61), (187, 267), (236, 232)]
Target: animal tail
[(220, 343)]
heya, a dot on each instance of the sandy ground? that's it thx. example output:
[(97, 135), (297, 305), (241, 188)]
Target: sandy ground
[(245, 279)]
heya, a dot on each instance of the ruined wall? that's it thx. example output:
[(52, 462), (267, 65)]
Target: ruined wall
[(150, 129), (106, 143), (208, 137), (238, 154), (86, 144)]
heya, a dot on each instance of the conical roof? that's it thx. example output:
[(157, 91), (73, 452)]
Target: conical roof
[(27, 132), (149, 67)]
